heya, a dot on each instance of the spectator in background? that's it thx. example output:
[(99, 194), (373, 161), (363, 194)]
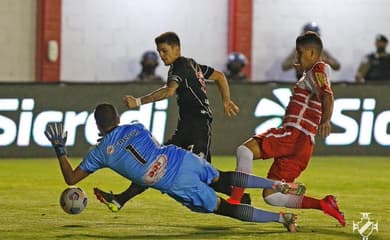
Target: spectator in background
[(149, 63), (234, 66), (375, 66), (290, 62)]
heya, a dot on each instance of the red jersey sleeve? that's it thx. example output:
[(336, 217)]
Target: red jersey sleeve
[(320, 75)]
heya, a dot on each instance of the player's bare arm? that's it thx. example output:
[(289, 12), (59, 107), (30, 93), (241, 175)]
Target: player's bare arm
[(230, 108), (162, 93), (329, 59), (362, 71), (327, 109), (57, 137), (71, 176), (289, 62)]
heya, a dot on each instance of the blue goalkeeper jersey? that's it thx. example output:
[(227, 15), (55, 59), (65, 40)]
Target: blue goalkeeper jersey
[(131, 151)]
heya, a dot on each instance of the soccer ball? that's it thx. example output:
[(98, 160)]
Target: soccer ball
[(73, 200)]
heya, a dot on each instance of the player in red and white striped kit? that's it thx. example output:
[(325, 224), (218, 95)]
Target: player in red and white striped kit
[(291, 146)]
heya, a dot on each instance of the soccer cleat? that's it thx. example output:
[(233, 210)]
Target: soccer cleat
[(289, 221), (108, 199), (290, 188), (330, 207)]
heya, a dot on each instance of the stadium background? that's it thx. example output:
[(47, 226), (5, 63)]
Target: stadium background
[(100, 43), (102, 40), (360, 120)]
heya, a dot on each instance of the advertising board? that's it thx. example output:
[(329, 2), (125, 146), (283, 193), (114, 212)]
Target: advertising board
[(360, 120)]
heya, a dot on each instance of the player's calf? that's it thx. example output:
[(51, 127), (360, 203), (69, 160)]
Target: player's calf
[(244, 180), (248, 213)]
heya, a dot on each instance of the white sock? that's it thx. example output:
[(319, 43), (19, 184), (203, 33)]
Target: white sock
[(244, 159), (284, 200)]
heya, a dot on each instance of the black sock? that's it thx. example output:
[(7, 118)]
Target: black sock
[(246, 213), (242, 212), (222, 186), (132, 191)]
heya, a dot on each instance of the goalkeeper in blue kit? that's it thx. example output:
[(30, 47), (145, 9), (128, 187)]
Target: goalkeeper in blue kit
[(131, 151)]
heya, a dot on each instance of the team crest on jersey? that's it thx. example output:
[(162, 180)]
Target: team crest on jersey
[(321, 79), (110, 149)]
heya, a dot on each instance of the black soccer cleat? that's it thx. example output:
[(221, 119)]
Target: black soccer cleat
[(109, 199)]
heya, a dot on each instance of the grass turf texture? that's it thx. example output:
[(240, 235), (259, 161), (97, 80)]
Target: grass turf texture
[(30, 190)]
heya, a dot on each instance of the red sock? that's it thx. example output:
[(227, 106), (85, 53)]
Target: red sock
[(236, 195), (308, 202)]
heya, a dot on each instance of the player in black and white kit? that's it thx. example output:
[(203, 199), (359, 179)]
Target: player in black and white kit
[(193, 130), (186, 80)]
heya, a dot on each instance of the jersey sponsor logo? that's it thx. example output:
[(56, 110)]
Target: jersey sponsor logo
[(156, 170), (363, 130)]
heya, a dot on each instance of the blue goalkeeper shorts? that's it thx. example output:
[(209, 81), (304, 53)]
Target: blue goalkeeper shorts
[(191, 185)]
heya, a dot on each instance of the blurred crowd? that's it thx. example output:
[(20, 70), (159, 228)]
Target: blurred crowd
[(374, 67)]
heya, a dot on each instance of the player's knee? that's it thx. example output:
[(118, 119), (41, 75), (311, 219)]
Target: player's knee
[(244, 159)]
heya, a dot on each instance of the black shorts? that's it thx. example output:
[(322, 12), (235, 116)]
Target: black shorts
[(193, 135)]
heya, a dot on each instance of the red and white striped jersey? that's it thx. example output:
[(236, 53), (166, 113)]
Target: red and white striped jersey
[(305, 109)]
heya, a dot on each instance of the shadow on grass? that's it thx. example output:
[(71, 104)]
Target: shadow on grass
[(75, 226), (211, 232), (329, 231), (192, 235), (199, 232)]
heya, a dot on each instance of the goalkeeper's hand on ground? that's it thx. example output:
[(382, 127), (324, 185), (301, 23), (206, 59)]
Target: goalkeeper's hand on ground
[(56, 135)]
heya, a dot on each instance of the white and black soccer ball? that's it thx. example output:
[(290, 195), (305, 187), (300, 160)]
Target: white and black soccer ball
[(73, 200)]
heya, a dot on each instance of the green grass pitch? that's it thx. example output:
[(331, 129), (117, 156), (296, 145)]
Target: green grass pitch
[(30, 190)]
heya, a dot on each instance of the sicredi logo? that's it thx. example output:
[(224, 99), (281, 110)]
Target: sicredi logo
[(153, 116), (361, 131)]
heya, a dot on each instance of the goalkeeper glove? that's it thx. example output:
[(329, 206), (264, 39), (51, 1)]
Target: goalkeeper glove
[(56, 135)]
